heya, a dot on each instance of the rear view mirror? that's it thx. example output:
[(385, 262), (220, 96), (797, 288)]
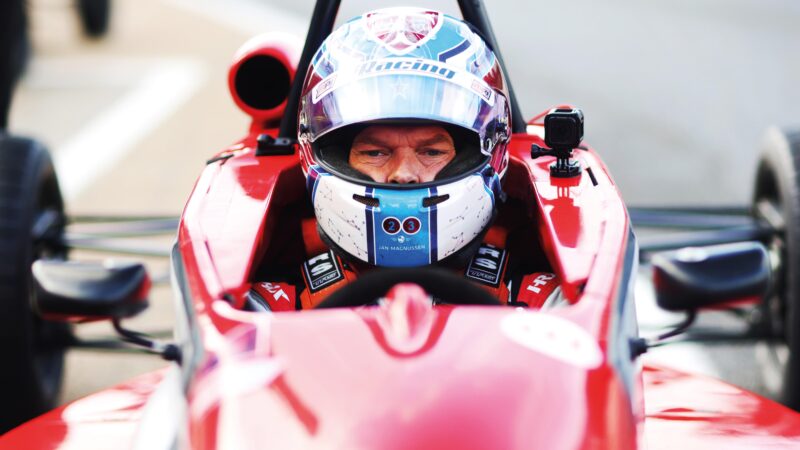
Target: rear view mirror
[(699, 277), (80, 291)]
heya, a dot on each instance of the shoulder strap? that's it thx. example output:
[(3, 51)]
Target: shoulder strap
[(273, 296), (322, 275), (538, 290), (488, 269), (312, 242)]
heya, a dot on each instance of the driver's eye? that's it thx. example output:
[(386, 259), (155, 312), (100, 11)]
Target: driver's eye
[(433, 153)]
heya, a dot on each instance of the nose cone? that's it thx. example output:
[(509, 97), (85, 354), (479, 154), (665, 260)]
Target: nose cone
[(406, 374), (406, 317)]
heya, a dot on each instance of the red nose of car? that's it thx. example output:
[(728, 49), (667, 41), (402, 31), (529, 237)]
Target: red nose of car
[(406, 374)]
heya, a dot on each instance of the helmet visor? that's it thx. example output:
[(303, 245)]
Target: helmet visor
[(401, 88)]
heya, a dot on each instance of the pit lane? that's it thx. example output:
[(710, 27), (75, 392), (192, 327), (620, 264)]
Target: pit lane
[(131, 118)]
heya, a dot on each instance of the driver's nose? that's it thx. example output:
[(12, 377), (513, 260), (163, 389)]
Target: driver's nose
[(403, 178), (405, 170)]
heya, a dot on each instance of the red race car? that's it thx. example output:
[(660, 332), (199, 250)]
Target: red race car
[(399, 357)]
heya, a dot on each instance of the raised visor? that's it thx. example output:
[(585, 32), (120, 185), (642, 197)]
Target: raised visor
[(694, 411)]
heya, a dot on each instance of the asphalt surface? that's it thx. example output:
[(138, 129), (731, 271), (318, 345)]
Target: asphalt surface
[(676, 97)]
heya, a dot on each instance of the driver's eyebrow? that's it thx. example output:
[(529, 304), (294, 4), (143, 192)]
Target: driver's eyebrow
[(370, 140), (378, 142), (439, 138)]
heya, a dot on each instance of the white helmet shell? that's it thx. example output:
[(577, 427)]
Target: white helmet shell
[(403, 227), (404, 66)]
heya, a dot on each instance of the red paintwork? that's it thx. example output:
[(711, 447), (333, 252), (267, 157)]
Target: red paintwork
[(583, 229), (683, 411), (104, 420), (283, 47), (689, 411), (577, 221), (404, 377), (406, 374)]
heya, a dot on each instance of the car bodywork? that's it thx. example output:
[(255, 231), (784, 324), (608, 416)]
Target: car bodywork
[(683, 411), (406, 374)]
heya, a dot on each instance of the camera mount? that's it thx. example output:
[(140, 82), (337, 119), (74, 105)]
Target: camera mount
[(563, 132)]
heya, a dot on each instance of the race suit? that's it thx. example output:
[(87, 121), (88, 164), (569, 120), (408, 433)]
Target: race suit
[(325, 272)]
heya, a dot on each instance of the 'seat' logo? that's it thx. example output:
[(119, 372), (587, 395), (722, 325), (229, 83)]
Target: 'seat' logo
[(402, 32)]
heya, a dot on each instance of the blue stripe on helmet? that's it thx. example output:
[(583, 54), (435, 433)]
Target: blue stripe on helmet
[(370, 213), (433, 237), (491, 183), (312, 181), (395, 244), (449, 53)]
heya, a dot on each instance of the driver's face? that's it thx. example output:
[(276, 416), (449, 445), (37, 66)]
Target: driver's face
[(402, 154)]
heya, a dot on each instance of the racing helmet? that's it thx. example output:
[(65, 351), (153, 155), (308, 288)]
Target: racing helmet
[(404, 66)]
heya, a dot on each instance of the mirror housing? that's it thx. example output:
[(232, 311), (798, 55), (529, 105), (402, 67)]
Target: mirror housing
[(80, 291), (713, 276)]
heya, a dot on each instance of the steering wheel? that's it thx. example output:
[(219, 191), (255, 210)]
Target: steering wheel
[(443, 285)]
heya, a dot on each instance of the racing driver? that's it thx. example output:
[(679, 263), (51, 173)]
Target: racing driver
[(403, 129)]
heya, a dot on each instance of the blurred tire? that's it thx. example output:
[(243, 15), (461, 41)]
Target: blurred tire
[(33, 353), (14, 51), (95, 16), (778, 184)]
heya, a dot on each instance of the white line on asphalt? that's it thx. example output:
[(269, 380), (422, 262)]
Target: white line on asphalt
[(250, 17), (114, 132), (66, 73)]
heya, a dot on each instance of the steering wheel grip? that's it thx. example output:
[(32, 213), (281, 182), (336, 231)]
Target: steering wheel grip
[(443, 285)]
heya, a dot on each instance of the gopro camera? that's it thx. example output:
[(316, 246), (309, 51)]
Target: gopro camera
[(563, 128), (563, 132)]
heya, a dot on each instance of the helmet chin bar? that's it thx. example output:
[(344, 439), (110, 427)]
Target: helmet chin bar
[(393, 225), (457, 260)]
